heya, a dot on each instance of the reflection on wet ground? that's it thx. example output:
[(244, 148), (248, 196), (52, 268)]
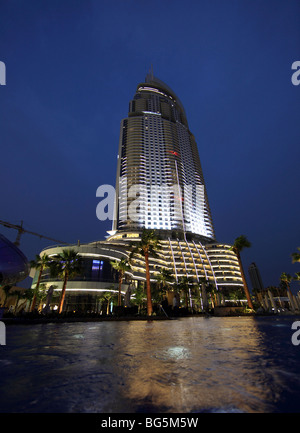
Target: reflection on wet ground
[(191, 365)]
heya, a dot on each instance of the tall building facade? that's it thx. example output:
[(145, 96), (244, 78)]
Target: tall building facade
[(160, 183), (255, 277)]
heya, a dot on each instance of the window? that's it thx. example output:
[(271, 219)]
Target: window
[(97, 265)]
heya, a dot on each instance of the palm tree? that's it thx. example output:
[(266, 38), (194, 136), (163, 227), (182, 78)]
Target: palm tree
[(42, 294), (164, 278), (286, 279), (211, 290), (236, 295), (184, 284), (40, 263), (202, 296), (6, 290), (148, 245), (139, 297), (296, 256), (297, 276), (121, 266), (27, 296), (18, 294), (66, 265), (239, 244), (107, 296)]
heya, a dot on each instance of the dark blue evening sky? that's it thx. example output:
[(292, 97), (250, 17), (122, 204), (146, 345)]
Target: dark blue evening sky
[(72, 66)]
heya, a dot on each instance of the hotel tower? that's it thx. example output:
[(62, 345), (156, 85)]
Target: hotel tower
[(160, 186), (158, 161)]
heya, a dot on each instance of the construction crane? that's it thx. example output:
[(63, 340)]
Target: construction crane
[(21, 230)]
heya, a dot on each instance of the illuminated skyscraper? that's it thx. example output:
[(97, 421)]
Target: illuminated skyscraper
[(159, 176), (159, 186)]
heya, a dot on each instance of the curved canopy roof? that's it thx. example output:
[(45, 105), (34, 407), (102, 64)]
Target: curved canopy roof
[(14, 266)]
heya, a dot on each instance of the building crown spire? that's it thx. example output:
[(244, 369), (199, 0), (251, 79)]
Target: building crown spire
[(150, 76)]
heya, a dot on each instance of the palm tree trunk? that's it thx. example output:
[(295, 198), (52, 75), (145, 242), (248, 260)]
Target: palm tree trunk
[(63, 293), (33, 303), (288, 289), (17, 303), (148, 286), (247, 293), (278, 294), (4, 303), (36, 289), (23, 305)]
